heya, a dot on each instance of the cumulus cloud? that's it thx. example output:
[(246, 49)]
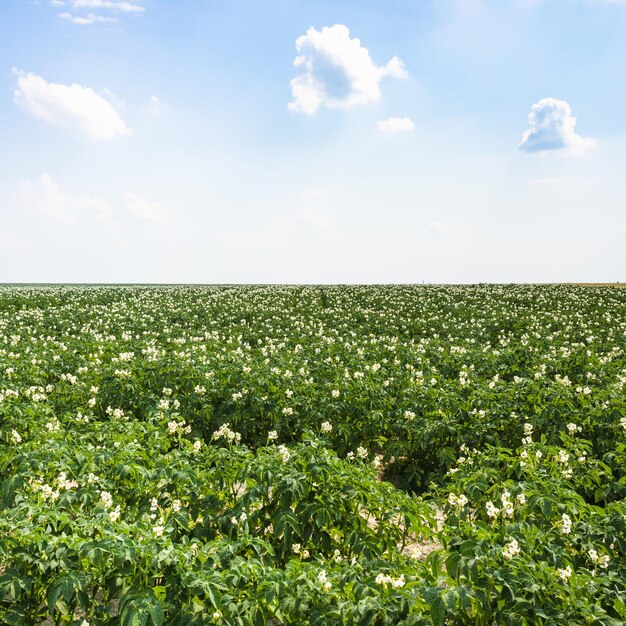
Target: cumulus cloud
[(45, 197), (336, 71), (74, 107), (395, 125), (153, 211), (552, 127)]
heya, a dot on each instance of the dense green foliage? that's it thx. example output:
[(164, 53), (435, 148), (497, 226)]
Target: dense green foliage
[(312, 455)]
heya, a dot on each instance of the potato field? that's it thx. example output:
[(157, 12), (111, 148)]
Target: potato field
[(332, 455)]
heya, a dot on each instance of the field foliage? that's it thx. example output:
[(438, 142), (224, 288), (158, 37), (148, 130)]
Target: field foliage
[(312, 455)]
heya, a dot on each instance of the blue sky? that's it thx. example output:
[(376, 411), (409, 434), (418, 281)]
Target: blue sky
[(212, 142)]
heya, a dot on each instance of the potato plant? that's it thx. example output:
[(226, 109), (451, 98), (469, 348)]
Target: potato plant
[(269, 455)]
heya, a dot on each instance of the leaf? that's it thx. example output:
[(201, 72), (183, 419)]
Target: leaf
[(452, 564), (156, 613), (438, 611)]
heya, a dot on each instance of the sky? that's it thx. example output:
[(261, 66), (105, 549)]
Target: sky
[(306, 141)]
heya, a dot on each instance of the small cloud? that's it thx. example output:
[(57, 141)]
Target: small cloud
[(74, 107), (395, 125), (88, 19), (44, 197), (153, 211), (155, 106), (336, 71), (121, 7), (74, 12), (552, 128)]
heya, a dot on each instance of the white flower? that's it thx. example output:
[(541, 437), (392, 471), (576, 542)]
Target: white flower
[(16, 436), (272, 435), (197, 445), (563, 457), (409, 416), (566, 523), (106, 499), (296, 548), (321, 577), (603, 561), (115, 514), (511, 549), (284, 452), (564, 574), (335, 393), (396, 583), (158, 530), (326, 427), (492, 511), (176, 505), (362, 452)]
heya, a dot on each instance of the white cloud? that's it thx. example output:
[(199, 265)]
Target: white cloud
[(154, 211), (74, 107), (395, 125), (552, 127), (44, 197), (122, 7), (336, 71), (88, 19)]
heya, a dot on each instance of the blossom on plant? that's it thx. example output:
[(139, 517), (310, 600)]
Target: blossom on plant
[(565, 574), (566, 524), (492, 510), (106, 499), (457, 501), (226, 433), (284, 452), (511, 549), (326, 427)]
